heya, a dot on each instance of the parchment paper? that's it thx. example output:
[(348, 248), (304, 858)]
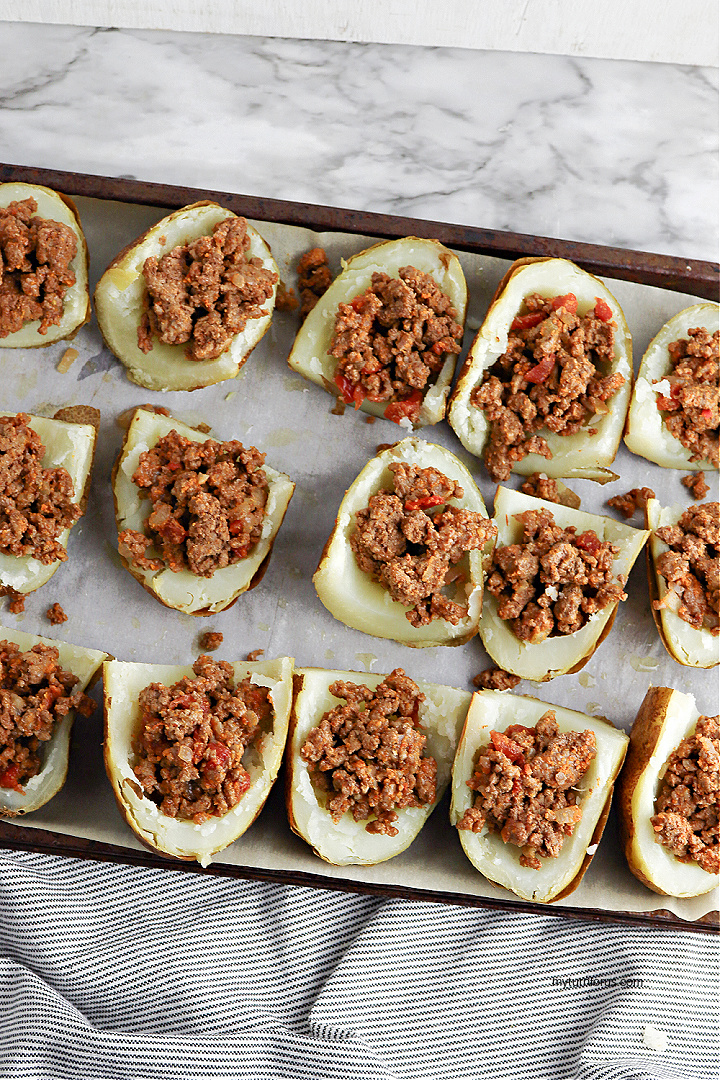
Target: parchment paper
[(290, 420)]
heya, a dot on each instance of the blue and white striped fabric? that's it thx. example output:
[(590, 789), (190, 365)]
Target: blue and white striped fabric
[(135, 974)]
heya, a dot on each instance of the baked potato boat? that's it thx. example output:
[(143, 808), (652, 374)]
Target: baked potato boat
[(589, 451), (359, 601), (310, 355), (646, 433), (665, 718), (52, 206), (183, 590), (562, 653), (499, 862), (121, 297), (183, 839), (347, 842), (70, 444), (39, 789)]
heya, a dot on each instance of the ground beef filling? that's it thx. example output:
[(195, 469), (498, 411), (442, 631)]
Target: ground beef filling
[(35, 274), (635, 499), (690, 404), (208, 505), (189, 748), (368, 755), (691, 567), (36, 504), (527, 779), (314, 278), (553, 580), (495, 679), (392, 340), (554, 374), (204, 293), (35, 694), (687, 815), (414, 553), (696, 485)]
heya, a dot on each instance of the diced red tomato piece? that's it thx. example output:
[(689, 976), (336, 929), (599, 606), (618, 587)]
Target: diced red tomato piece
[(507, 747), (408, 407), (511, 731), (603, 311), (540, 372), (351, 395), (425, 502), (173, 531), (526, 322), (569, 302), (221, 753), (9, 779), (706, 414), (588, 541), (358, 303)]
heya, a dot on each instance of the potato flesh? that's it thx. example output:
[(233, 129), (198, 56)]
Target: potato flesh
[(347, 842), (500, 862), (689, 645), (184, 590), (77, 298), (70, 446), (353, 597), (172, 836), (581, 454), (310, 356), (119, 305), (646, 433), (40, 789), (555, 655)]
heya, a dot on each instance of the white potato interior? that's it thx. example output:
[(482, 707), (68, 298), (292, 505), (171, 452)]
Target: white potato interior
[(70, 446), (119, 304), (441, 715), (555, 655), (646, 433), (76, 301), (182, 589), (310, 356), (656, 862), (689, 645), (354, 598), (583, 454), (500, 862), (184, 839), (40, 789)]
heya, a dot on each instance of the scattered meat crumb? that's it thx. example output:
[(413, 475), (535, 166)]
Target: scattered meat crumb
[(16, 605), (286, 300), (696, 484), (211, 640), (66, 360), (314, 278), (633, 500), (255, 655), (56, 615), (496, 679), (370, 419), (338, 408)]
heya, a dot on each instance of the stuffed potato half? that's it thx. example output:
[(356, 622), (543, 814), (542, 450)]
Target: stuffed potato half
[(184, 839), (556, 655), (53, 206), (493, 710), (586, 453), (39, 789), (666, 717), (347, 842), (184, 590), (119, 299), (310, 354)]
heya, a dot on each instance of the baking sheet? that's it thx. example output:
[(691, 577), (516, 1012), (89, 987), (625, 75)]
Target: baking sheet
[(290, 420)]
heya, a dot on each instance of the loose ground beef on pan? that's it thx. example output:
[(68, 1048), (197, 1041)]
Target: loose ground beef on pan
[(207, 505), (635, 499), (368, 755), (314, 278), (35, 694), (495, 679), (696, 485), (527, 781), (691, 403), (391, 341), (36, 504), (411, 551), (554, 374), (203, 293), (687, 809), (691, 567), (35, 274), (189, 746), (554, 579)]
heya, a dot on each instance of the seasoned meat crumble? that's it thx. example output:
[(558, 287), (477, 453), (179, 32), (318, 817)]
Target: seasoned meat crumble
[(635, 499), (208, 504), (35, 274), (191, 739), (368, 755), (691, 403), (554, 579), (36, 504), (35, 694), (527, 780), (495, 679), (691, 567), (411, 551), (203, 293), (696, 485), (552, 375), (392, 340), (687, 808), (314, 278)]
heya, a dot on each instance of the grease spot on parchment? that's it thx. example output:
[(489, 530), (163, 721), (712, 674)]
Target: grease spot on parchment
[(95, 364), (367, 659), (643, 663), (282, 437), (586, 680)]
